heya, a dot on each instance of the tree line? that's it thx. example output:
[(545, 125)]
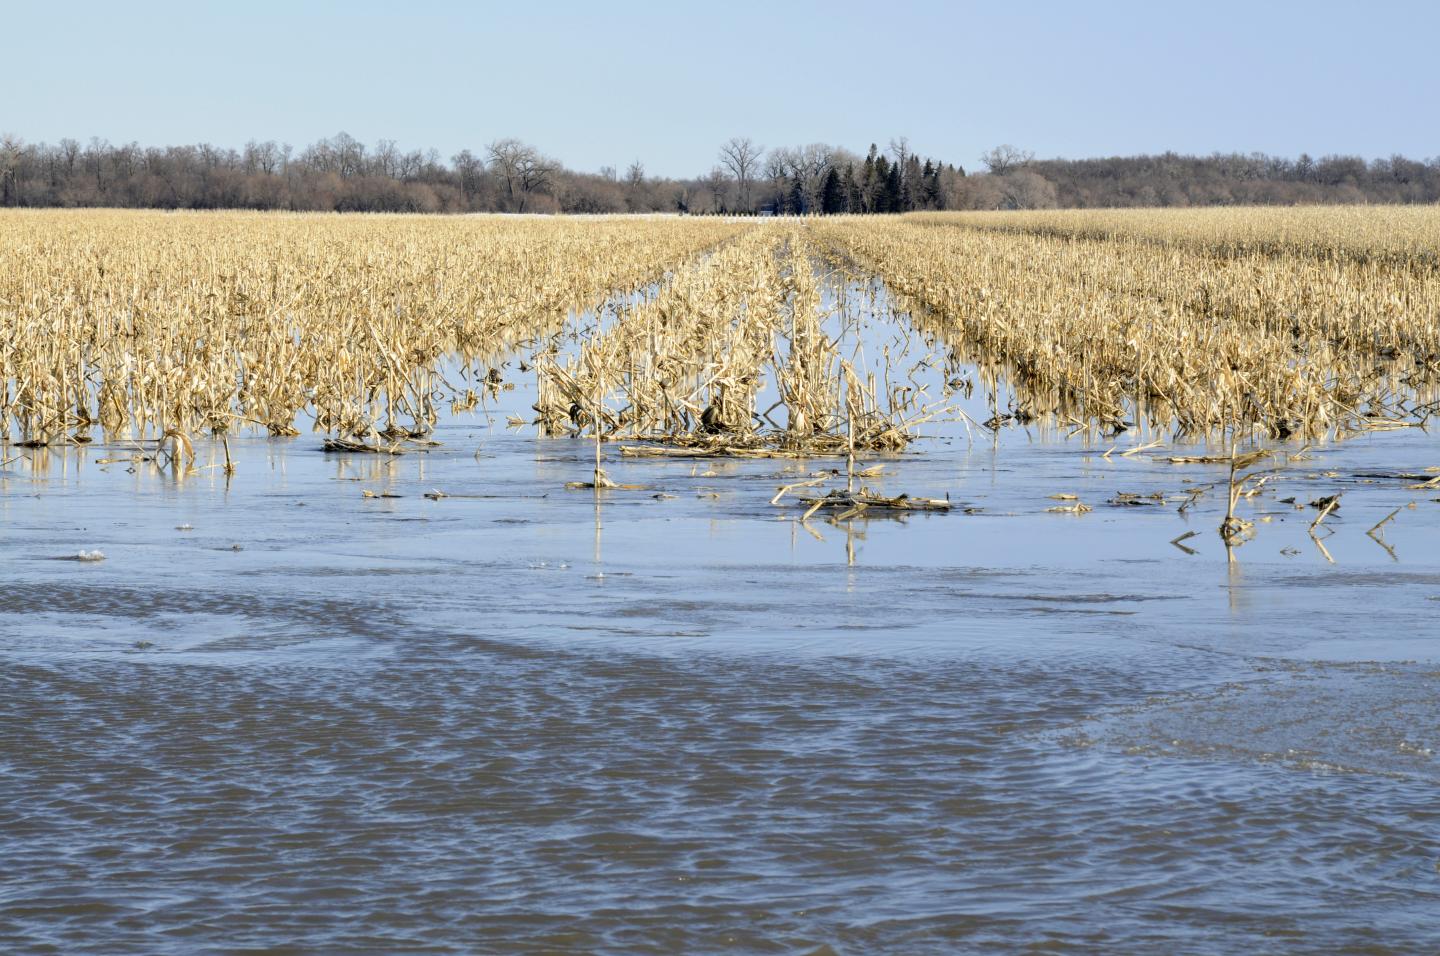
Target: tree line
[(342, 174), (1239, 179)]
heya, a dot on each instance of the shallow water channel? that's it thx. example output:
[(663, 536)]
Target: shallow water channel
[(285, 716)]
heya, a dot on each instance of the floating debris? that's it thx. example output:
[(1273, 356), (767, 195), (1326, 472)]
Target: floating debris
[(848, 504), (1127, 499), (360, 447), (1326, 506)]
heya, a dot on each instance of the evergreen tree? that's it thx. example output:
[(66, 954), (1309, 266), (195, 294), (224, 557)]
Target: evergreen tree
[(880, 187), (797, 204), (867, 180), (894, 190), (832, 194)]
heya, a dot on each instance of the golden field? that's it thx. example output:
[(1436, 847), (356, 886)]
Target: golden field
[(1274, 321), (152, 323), (157, 326)]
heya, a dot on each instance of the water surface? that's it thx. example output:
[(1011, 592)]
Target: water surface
[(282, 716)]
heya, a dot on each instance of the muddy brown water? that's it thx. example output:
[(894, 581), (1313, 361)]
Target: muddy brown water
[(280, 716)]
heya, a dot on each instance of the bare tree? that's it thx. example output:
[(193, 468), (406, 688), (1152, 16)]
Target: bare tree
[(814, 161), (635, 198), (900, 149), (798, 173), (778, 164), (387, 158), (321, 157), (1004, 158), (94, 159), (1022, 189), (742, 157), (10, 147), (535, 173), (468, 169), (505, 158), (261, 157), (521, 168), (718, 184), (409, 165), (70, 149), (349, 154)]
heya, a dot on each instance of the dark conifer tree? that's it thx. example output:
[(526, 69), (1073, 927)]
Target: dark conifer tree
[(796, 201), (930, 188), (894, 190), (879, 187), (832, 194)]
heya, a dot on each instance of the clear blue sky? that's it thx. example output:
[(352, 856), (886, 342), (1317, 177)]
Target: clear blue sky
[(601, 84)]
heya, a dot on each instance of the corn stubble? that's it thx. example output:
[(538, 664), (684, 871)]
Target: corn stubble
[(1240, 322), (161, 326), (740, 354), (719, 336)]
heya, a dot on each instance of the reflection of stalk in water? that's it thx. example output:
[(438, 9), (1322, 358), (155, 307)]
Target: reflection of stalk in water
[(1234, 582), (1377, 534), (597, 556)]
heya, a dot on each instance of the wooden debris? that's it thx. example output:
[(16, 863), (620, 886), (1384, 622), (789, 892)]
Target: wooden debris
[(360, 447), (1126, 499), (1326, 505), (846, 504)]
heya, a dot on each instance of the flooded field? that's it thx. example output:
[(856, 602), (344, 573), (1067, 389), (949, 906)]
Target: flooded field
[(452, 701), (674, 718)]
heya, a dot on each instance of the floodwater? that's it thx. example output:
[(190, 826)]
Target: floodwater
[(284, 716)]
